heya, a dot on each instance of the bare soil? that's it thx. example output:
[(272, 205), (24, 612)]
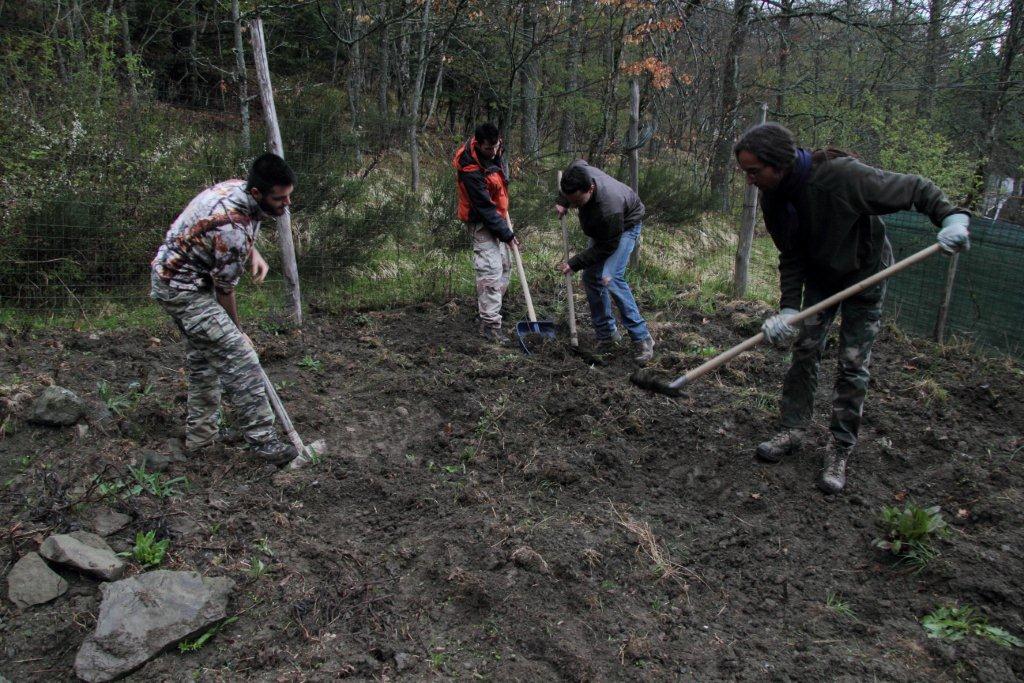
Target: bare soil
[(485, 514)]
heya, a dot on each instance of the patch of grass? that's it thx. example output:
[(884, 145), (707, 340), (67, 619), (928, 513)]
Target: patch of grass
[(311, 363), (953, 623), (835, 602), (120, 404), (932, 393), (910, 533), (196, 644), (156, 484), (257, 568), (148, 551)]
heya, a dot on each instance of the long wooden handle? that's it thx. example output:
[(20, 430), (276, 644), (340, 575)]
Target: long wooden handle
[(522, 280), (574, 338), (871, 281), (282, 414)]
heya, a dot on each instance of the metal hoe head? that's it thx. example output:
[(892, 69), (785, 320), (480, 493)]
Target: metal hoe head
[(544, 329)]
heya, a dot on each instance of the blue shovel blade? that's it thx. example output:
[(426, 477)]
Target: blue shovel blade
[(542, 328)]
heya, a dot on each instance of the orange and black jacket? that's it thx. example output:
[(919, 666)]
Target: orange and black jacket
[(482, 190)]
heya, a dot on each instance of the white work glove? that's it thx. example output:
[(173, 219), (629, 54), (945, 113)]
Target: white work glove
[(954, 237), (777, 329)]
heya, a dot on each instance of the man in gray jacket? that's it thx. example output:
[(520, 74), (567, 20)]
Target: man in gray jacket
[(822, 211), (611, 215)]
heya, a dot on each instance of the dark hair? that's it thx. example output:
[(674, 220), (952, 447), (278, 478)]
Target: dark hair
[(269, 170), (487, 132), (771, 143), (575, 179)]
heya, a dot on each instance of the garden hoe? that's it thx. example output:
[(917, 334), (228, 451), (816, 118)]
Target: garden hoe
[(574, 338), (545, 329), (307, 454), (648, 380)]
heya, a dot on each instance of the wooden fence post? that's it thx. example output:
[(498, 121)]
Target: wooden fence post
[(741, 270), (947, 296), (634, 154), (293, 297)]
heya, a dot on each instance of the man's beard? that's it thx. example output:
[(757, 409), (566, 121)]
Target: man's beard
[(271, 211)]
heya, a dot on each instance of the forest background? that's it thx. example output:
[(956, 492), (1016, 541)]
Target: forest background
[(116, 112)]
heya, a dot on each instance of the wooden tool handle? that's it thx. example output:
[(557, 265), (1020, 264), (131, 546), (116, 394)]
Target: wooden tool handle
[(857, 288), (573, 336), (522, 279)]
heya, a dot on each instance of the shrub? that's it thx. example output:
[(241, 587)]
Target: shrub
[(910, 533)]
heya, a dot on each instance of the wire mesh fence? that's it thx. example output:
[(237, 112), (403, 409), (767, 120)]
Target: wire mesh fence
[(987, 297)]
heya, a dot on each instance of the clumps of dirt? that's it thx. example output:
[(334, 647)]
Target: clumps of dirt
[(483, 513)]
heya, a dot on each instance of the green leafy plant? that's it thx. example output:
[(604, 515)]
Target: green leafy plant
[(148, 551), (835, 602), (193, 645), (910, 533), (257, 568), (312, 364), (156, 484), (953, 623)]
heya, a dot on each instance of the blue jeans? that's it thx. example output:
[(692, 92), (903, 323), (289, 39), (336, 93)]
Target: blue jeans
[(600, 295)]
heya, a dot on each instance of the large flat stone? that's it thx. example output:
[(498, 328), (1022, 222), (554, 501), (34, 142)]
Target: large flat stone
[(142, 615), (106, 521), (85, 552), (32, 582), (57, 407)]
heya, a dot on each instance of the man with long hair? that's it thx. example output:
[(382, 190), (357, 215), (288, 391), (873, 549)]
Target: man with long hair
[(822, 210)]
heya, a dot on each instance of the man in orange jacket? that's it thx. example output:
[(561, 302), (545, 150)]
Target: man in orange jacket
[(482, 187)]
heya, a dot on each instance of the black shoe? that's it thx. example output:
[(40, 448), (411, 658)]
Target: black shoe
[(782, 444), (833, 467), (609, 344), (495, 335), (275, 451)]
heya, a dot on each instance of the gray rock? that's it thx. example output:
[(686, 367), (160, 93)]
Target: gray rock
[(404, 660), (84, 551), (105, 521), (182, 526), (57, 407), (151, 461), (142, 615), (32, 582)]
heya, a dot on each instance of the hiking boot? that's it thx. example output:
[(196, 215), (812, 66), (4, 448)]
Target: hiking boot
[(229, 436), (783, 443), (225, 435), (609, 344), (833, 467), (275, 451), (495, 335), (644, 350)]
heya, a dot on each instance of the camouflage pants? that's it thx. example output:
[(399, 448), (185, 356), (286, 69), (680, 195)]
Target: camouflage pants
[(861, 321), (492, 265), (217, 357)]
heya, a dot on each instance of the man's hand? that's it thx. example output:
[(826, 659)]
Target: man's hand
[(954, 237), (514, 242), (564, 268), (777, 329), (561, 210), (258, 267)]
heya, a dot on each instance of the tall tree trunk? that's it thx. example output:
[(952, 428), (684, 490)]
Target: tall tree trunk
[(567, 131), (417, 97), (437, 81), (129, 56), (530, 76), (193, 52), (785, 36), (384, 72), (729, 103), (933, 53), (1013, 41), (241, 79)]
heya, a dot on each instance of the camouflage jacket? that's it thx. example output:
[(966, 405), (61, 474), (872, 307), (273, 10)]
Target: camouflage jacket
[(208, 244)]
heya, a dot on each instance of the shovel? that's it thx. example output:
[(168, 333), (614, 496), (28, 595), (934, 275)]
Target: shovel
[(647, 380), (307, 454), (574, 338), (545, 329)]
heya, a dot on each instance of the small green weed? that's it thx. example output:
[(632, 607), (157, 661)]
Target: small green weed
[(120, 404), (910, 533), (148, 551), (263, 545), (156, 484), (835, 602), (953, 623), (312, 364), (257, 568), (193, 645)]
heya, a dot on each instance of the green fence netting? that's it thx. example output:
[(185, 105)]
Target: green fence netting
[(987, 304)]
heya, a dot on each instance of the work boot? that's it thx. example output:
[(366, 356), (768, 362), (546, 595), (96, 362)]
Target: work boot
[(783, 443), (833, 467), (644, 350), (224, 436), (495, 335), (610, 344), (275, 451)]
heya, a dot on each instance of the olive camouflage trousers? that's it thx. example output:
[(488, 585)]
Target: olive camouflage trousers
[(861, 320), (217, 358)]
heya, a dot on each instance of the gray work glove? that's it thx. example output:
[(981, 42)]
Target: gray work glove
[(777, 329), (953, 237)]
